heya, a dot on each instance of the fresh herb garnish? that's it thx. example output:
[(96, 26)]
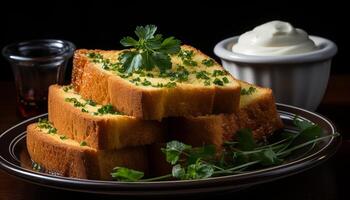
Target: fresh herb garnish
[(149, 51), (83, 143), (135, 80), (202, 75), (170, 85), (37, 167), (225, 79), (207, 82), (45, 124), (67, 88), (219, 82), (90, 102), (63, 137), (145, 82), (248, 91), (75, 102), (125, 174), (107, 109), (219, 73), (187, 57), (208, 62), (240, 155)]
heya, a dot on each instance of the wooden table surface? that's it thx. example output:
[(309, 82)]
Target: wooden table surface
[(327, 181)]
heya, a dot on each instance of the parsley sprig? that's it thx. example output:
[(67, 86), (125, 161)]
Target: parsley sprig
[(149, 51), (238, 156)]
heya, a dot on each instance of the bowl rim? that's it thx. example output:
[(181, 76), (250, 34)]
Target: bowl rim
[(67, 46), (327, 49)]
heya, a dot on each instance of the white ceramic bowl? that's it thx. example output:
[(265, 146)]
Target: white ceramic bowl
[(299, 80)]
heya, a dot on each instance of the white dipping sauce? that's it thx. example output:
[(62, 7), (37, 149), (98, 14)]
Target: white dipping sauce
[(274, 38)]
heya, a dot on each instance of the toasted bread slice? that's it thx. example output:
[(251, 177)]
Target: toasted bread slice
[(257, 112), (182, 91), (80, 121), (66, 157)]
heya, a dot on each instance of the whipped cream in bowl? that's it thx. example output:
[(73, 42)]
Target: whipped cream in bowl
[(294, 64)]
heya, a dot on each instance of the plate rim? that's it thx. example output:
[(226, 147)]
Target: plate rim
[(83, 184)]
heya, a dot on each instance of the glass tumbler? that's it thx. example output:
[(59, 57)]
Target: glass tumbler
[(36, 65)]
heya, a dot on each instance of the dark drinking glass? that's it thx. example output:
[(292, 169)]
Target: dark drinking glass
[(36, 65)]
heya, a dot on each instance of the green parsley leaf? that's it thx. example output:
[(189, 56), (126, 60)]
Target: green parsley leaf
[(125, 174), (301, 124), (173, 151), (199, 170), (162, 60), (268, 157), (149, 50), (170, 45), (245, 140), (206, 152)]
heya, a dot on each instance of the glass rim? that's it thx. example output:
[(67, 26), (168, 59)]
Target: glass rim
[(8, 51)]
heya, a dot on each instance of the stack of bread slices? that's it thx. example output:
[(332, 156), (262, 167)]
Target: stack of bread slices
[(107, 118)]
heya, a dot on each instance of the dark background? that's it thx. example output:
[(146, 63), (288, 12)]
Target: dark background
[(99, 24)]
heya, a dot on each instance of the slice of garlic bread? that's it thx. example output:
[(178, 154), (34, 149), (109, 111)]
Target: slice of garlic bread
[(58, 154), (257, 112), (102, 127), (195, 86)]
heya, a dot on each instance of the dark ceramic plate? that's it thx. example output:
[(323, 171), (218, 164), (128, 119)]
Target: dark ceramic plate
[(14, 159)]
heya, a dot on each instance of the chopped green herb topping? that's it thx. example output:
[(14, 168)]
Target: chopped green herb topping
[(208, 62), (75, 102), (63, 137), (207, 82), (90, 102), (202, 75), (170, 85), (67, 88), (135, 80), (248, 91), (187, 57), (107, 109), (84, 110), (146, 82), (225, 79), (37, 167), (83, 143), (218, 82), (96, 57), (219, 73), (45, 124)]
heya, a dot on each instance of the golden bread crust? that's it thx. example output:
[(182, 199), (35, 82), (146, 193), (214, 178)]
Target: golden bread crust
[(151, 103), (100, 132), (69, 159)]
